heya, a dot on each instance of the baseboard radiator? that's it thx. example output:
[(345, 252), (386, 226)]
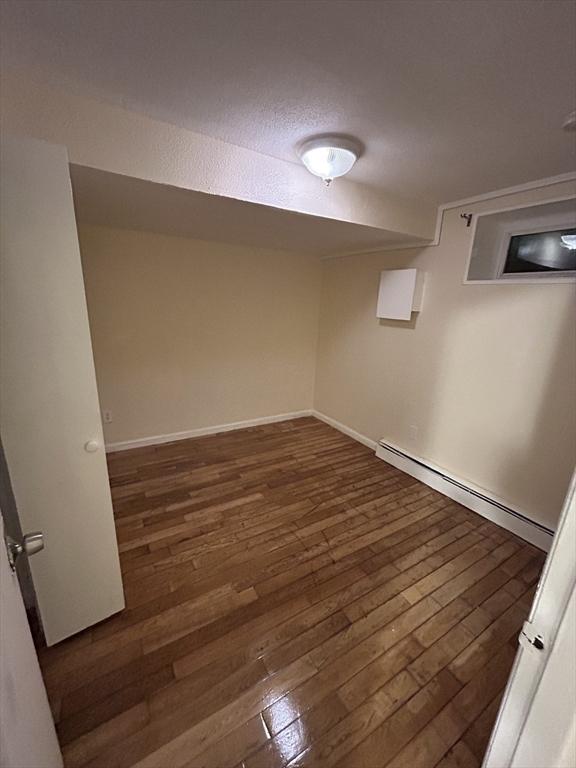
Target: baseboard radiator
[(472, 498)]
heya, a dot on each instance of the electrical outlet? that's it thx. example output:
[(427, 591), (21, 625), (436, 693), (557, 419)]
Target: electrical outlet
[(107, 417), (413, 431)]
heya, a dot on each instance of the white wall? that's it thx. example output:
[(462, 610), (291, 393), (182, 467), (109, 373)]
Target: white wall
[(190, 334), (486, 373)]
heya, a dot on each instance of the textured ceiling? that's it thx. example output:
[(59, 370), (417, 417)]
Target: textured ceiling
[(450, 98), (109, 199)]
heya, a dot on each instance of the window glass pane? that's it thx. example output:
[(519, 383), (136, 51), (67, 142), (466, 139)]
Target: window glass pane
[(542, 252)]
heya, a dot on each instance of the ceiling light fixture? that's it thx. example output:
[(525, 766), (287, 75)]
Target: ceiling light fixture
[(329, 156)]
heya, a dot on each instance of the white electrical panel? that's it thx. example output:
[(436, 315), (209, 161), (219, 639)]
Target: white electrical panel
[(400, 293)]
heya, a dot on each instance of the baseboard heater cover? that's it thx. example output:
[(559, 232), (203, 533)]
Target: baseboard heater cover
[(514, 521)]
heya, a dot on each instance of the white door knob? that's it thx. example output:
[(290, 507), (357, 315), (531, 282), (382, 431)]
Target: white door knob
[(91, 446)]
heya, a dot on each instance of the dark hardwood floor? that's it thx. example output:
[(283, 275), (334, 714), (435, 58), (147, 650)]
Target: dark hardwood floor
[(292, 601)]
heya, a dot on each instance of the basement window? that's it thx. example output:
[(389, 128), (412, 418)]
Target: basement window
[(532, 244)]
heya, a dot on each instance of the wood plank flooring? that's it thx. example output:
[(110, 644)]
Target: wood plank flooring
[(292, 601)]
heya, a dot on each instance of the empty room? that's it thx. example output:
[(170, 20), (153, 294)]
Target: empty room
[(288, 384)]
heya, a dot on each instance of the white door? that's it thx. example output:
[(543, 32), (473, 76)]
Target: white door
[(49, 412), (535, 725), (27, 736)]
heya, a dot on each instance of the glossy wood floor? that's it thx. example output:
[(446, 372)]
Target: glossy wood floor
[(292, 600)]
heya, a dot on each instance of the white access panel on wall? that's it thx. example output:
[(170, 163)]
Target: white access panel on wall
[(400, 293)]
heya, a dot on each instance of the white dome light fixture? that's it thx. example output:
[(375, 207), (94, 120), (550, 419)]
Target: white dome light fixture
[(329, 156)]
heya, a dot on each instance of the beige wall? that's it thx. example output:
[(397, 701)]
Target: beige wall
[(486, 373), (190, 334)]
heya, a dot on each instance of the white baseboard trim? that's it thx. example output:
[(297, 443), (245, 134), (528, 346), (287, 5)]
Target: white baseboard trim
[(127, 445), (347, 430), (466, 494)]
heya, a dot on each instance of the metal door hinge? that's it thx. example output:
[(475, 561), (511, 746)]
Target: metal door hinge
[(530, 638)]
